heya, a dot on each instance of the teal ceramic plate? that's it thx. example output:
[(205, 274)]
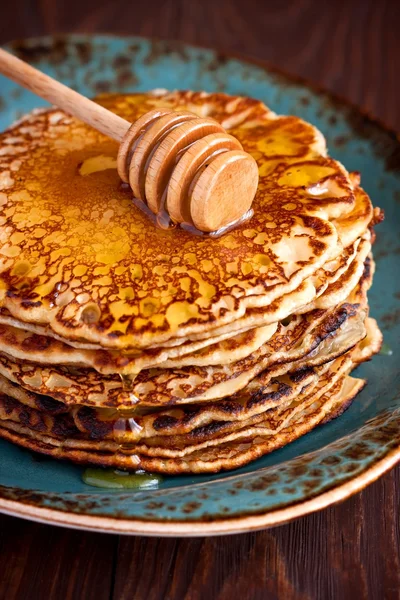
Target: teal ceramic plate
[(327, 465)]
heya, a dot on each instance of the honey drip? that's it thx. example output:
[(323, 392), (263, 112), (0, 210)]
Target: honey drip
[(386, 350), (126, 431), (162, 220)]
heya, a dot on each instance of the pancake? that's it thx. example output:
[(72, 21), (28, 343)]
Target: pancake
[(263, 395), (208, 448), (327, 332), (254, 317), (255, 399), (128, 346), (292, 341), (82, 259), (24, 345), (339, 277), (241, 449), (174, 445)]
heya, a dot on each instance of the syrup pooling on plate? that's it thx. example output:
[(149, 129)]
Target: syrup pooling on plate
[(108, 479)]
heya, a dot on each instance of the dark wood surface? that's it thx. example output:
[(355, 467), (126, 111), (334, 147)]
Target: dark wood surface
[(350, 550)]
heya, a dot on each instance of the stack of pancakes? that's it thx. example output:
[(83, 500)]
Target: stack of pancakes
[(125, 345)]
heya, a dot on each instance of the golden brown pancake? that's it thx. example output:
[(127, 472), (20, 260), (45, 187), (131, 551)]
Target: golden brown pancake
[(81, 258), (24, 345), (230, 447), (263, 395), (329, 332), (244, 446)]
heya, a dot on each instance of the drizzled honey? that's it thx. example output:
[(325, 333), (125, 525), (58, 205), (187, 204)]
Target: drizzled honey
[(164, 221), (126, 431)]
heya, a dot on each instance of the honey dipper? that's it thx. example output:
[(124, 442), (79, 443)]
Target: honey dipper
[(180, 165)]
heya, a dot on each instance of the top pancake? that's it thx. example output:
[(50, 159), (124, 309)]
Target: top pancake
[(78, 256)]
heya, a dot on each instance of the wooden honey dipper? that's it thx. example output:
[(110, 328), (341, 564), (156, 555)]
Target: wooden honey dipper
[(180, 165)]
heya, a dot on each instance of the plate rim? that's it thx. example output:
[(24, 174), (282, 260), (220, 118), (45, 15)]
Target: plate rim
[(217, 526)]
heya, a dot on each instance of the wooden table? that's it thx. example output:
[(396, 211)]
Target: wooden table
[(347, 551)]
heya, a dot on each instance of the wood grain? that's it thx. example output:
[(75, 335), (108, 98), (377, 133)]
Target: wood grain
[(40, 561), (348, 46), (349, 550)]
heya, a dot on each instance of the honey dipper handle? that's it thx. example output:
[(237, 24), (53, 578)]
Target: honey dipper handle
[(62, 96)]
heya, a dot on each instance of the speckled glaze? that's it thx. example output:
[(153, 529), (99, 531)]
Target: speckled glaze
[(328, 464)]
